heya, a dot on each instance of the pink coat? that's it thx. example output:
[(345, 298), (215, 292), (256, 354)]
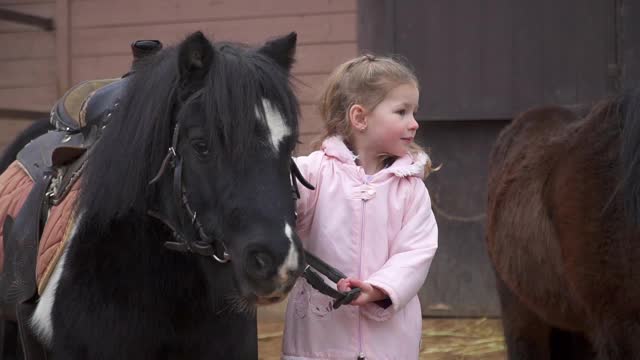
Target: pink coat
[(379, 229)]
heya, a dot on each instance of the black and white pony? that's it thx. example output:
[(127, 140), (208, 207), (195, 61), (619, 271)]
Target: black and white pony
[(199, 149)]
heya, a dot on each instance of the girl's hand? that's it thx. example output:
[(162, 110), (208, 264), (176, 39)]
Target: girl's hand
[(368, 294)]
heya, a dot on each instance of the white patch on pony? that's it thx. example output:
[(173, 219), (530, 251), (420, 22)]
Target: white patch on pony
[(41, 321), (291, 261), (278, 128)]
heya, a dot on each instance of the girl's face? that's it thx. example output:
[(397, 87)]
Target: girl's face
[(391, 125)]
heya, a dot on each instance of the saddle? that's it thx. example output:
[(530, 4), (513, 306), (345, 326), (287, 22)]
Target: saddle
[(38, 187)]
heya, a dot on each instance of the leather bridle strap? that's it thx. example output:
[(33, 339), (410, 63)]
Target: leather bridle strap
[(297, 175), (196, 240)]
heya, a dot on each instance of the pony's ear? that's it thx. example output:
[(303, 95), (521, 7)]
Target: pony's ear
[(282, 50), (195, 56)]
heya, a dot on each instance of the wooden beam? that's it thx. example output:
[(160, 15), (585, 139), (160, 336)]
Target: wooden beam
[(63, 46), (22, 18)]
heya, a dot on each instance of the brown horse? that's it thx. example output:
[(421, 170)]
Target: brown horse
[(563, 231)]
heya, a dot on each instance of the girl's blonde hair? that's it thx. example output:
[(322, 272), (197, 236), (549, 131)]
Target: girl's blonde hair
[(365, 80)]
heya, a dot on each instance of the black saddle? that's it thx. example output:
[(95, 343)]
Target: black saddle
[(73, 111)]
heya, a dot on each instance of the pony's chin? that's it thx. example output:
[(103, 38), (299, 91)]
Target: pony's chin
[(264, 300), (261, 298), (268, 300)]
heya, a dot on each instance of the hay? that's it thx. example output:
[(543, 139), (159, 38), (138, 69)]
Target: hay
[(473, 340), (269, 336), (443, 339)]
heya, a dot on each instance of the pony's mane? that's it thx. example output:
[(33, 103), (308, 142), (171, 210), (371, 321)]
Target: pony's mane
[(134, 144)]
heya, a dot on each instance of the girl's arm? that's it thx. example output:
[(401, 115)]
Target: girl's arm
[(411, 253)]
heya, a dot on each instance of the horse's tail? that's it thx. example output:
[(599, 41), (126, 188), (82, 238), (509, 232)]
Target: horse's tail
[(628, 115), (34, 130)]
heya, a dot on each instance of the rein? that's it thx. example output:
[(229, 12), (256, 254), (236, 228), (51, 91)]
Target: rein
[(314, 262)]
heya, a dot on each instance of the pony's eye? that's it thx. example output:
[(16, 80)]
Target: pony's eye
[(200, 146)]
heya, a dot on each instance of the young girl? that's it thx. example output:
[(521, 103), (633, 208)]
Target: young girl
[(370, 216)]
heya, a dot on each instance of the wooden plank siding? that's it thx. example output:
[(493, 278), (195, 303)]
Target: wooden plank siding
[(326, 37), (27, 65), (311, 29), (114, 13), (27, 73), (310, 60), (100, 34), (41, 8), (8, 129), (27, 45), (39, 98), (4, 3)]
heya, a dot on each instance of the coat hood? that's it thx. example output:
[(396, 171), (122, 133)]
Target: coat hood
[(405, 166)]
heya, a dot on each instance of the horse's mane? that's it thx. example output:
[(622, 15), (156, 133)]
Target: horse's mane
[(134, 144)]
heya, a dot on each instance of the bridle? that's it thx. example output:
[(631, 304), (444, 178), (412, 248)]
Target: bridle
[(190, 237), (188, 232)]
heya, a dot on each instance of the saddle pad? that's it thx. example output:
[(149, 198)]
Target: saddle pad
[(55, 236), (15, 186)]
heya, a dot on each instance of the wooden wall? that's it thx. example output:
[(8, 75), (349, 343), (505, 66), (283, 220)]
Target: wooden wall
[(27, 65), (34, 71)]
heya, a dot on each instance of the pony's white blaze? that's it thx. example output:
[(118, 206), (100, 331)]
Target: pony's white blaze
[(291, 261), (41, 320), (278, 128)]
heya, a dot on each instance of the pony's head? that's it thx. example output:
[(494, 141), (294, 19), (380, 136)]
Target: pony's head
[(239, 126), (229, 114)]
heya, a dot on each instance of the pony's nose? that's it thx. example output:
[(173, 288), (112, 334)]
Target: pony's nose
[(260, 265)]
